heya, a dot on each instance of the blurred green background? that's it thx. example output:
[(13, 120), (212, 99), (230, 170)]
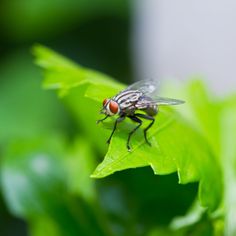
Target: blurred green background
[(41, 192), (93, 33)]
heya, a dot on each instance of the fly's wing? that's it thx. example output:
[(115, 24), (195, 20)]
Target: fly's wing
[(167, 101), (160, 101), (132, 93), (147, 87)]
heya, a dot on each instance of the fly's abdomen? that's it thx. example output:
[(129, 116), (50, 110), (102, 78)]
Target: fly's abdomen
[(147, 105), (151, 110)]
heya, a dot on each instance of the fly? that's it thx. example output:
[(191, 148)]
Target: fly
[(140, 96)]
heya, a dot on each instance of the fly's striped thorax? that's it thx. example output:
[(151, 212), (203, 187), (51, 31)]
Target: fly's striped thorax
[(127, 99)]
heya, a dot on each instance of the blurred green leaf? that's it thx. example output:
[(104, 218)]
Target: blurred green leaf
[(80, 162), (202, 109), (203, 228), (32, 175), (215, 118), (193, 216), (176, 145), (26, 110), (228, 158), (34, 180), (44, 226), (207, 111)]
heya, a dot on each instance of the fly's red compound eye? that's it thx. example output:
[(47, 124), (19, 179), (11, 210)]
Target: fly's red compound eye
[(113, 106), (105, 101)]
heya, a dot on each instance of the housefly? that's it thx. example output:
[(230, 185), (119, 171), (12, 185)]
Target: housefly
[(140, 96)]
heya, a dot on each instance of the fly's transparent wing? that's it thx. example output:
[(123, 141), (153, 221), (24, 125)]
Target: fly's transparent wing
[(166, 101), (147, 87), (159, 101)]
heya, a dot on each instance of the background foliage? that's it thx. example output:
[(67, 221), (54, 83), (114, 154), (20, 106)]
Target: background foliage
[(50, 146)]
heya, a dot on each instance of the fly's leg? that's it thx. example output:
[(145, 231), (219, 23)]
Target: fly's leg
[(118, 120), (136, 119), (98, 121), (147, 117)]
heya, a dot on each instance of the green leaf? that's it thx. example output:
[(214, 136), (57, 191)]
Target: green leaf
[(175, 147), (228, 158), (63, 74), (75, 84), (202, 109), (207, 111), (176, 144)]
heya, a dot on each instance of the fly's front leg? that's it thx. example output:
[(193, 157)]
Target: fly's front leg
[(118, 120), (98, 121), (147, 117), (136, 119)]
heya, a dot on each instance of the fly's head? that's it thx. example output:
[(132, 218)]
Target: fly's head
[(110, 107)]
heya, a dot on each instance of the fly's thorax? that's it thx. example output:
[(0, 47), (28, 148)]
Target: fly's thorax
[(127, 99)]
